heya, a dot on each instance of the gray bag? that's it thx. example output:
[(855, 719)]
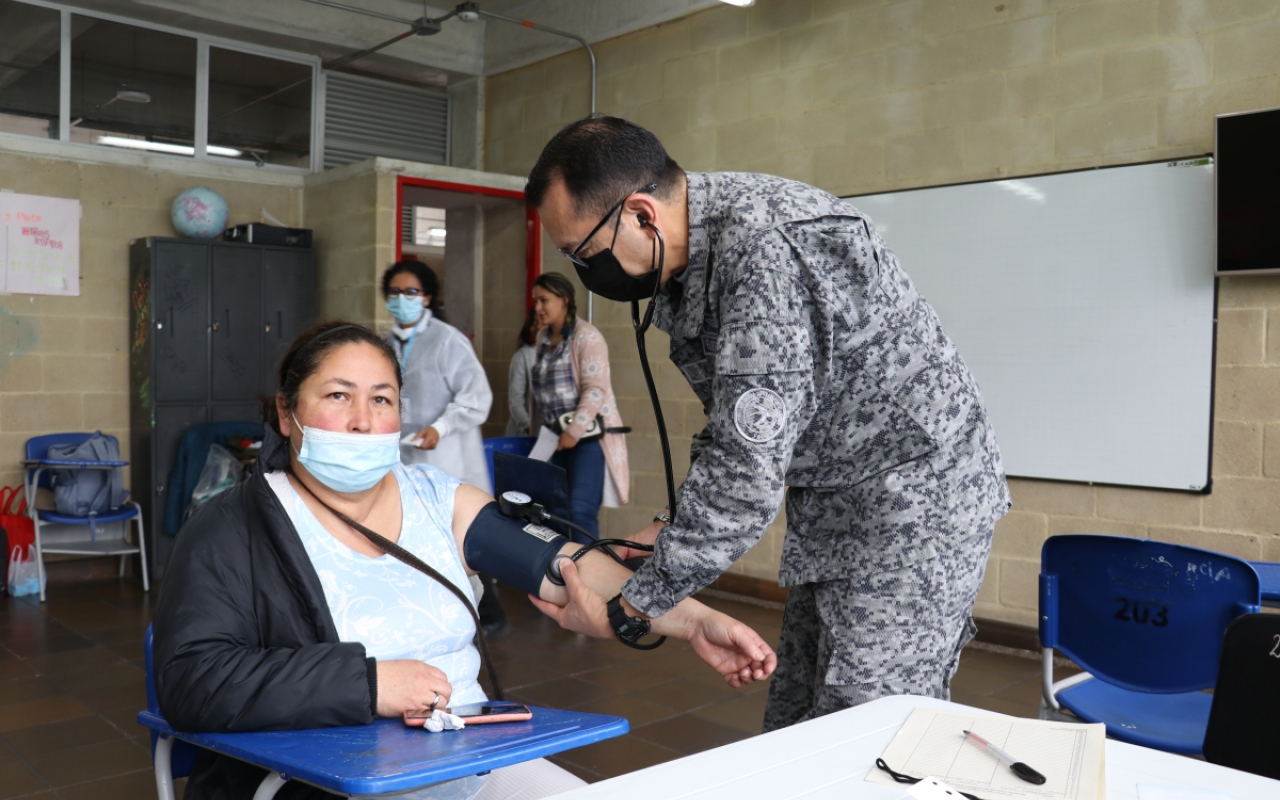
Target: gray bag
[(81, 492)]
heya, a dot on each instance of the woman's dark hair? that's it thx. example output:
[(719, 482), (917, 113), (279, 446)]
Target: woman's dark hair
[(526, 331), (425, 275), (561, 287), (305, 355), (602, 160)]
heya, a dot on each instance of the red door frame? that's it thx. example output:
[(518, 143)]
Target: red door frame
[(533, 223)]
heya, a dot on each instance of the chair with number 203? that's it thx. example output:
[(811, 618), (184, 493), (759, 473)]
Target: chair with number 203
[(1145, 620)]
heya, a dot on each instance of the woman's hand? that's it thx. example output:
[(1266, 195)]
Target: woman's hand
[(567, 441), (430, 437), (406, 685)]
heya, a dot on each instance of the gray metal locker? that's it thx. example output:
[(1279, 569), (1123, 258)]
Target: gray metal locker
[(209, 321)]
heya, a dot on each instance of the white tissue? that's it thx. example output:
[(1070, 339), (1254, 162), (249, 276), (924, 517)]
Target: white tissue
[(443, 721)]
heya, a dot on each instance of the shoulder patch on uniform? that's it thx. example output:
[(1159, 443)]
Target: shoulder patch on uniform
[(759, 415)]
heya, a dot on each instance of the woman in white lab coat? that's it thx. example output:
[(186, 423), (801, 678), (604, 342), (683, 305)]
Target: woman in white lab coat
[(446, 388)]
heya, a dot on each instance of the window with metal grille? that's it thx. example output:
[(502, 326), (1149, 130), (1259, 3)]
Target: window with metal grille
[(365, 117)]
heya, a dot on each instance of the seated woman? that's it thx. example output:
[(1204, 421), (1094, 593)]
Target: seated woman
[(277, 614)]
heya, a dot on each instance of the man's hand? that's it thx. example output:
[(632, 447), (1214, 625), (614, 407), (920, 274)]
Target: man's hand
[(430, 437), (586, 612), (567, 441), (646, 535), (731, 648), (406, 685)]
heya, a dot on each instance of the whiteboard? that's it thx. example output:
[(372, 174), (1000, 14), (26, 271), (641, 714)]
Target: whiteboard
[(40, 246), (1083, 303)]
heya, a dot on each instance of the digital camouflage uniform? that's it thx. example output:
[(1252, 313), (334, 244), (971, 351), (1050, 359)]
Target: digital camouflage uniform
[(822, 369)]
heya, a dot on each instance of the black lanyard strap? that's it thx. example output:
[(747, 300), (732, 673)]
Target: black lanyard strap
[(900, 778), (391, 548)]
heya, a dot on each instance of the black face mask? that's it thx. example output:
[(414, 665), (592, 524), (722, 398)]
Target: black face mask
[(606, 277), (602, 274)]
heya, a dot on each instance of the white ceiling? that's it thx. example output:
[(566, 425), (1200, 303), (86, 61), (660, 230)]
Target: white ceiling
[(459, 50)]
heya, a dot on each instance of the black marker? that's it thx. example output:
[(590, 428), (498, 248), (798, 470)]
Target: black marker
[(1020, 769)]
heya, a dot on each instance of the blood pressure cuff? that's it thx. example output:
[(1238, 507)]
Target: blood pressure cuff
[(511, 550)]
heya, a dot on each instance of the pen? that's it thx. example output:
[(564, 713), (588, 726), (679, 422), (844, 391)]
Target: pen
[(1020, 769)]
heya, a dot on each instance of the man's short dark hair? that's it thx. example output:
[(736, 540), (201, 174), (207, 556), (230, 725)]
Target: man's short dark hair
[(601, 160)]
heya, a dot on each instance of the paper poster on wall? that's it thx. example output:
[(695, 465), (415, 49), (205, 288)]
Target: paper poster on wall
[(41, 244)]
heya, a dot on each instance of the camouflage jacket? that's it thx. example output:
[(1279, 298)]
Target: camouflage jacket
[(819, 366)]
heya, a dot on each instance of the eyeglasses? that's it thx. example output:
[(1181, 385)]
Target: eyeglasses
[(577, 259), (395, 292)]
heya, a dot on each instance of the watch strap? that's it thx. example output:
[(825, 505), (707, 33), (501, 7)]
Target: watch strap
[(629, 630)]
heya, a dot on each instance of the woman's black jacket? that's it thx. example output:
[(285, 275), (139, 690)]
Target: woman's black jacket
[(244, 640)]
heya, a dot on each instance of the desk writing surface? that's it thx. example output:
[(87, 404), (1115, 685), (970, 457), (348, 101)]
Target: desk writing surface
[(387, 756), (828, 759)]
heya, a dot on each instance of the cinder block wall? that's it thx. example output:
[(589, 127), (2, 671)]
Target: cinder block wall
[(352, 211), (64, 360), (859, 96)]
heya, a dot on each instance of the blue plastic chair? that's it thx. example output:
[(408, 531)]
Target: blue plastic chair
[(178, 756), (1145, 620), (516, 445), (39, 476), (385, 757)]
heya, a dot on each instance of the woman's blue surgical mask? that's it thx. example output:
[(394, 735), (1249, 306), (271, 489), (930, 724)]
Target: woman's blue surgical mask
[(348, 462), (407, 310)]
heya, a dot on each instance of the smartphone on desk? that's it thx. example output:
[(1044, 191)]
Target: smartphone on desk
[(482, 713)]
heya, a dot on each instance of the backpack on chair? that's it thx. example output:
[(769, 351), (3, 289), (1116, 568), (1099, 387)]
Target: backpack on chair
[(81, 492)]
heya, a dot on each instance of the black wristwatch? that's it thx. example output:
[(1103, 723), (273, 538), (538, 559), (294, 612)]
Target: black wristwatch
[(629, 630)]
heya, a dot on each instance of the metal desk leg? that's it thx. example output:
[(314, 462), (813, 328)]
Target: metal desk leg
[(164, 768), (269, 786)]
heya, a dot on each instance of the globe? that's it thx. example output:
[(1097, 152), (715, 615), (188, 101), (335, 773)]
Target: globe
[(200, 213)]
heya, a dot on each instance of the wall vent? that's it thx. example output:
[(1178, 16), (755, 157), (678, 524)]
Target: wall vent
[(365, 117)]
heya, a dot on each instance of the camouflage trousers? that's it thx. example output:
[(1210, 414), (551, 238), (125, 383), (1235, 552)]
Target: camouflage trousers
[(848, 641)]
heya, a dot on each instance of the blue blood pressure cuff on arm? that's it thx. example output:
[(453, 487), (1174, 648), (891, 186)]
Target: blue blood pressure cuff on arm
[(511, 550)]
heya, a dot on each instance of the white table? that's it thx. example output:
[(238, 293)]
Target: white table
[(828, 758)]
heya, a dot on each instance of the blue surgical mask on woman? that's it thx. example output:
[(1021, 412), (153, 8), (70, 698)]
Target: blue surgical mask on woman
[(348, 462), (404, 308)]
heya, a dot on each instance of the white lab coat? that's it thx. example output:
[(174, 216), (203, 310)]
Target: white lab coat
[(446, 388)]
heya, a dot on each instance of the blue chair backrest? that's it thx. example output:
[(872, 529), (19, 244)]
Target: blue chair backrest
[(516, 445), (38, 447), (1140, 614), (183, 756)]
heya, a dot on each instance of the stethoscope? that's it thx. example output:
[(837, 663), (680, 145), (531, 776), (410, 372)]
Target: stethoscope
[(641, 325)]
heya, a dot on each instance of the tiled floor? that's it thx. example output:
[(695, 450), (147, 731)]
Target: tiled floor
[(71, 683)]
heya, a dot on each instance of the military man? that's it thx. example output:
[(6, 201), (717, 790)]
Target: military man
[(826, 378)]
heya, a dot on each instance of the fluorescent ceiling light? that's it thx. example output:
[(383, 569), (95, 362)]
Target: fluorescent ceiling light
[(439, 233), (742, 3), (164, 147)]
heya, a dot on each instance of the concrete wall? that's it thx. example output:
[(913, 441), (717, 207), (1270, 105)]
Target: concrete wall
[(859, 96), (64, 360), (352, 211)]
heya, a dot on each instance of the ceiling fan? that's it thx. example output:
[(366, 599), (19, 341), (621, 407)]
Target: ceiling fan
[(428, 26)]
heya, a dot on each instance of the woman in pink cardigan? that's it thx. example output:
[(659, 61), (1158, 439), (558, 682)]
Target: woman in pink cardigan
[(570, 380)]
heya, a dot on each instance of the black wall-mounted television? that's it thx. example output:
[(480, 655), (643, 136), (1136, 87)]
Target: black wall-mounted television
[(1246, 150)]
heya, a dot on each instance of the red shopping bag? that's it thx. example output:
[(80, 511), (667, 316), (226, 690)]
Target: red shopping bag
[(13, 518)]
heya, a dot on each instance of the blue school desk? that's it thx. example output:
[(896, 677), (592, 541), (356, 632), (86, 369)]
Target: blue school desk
[(386, 757)]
